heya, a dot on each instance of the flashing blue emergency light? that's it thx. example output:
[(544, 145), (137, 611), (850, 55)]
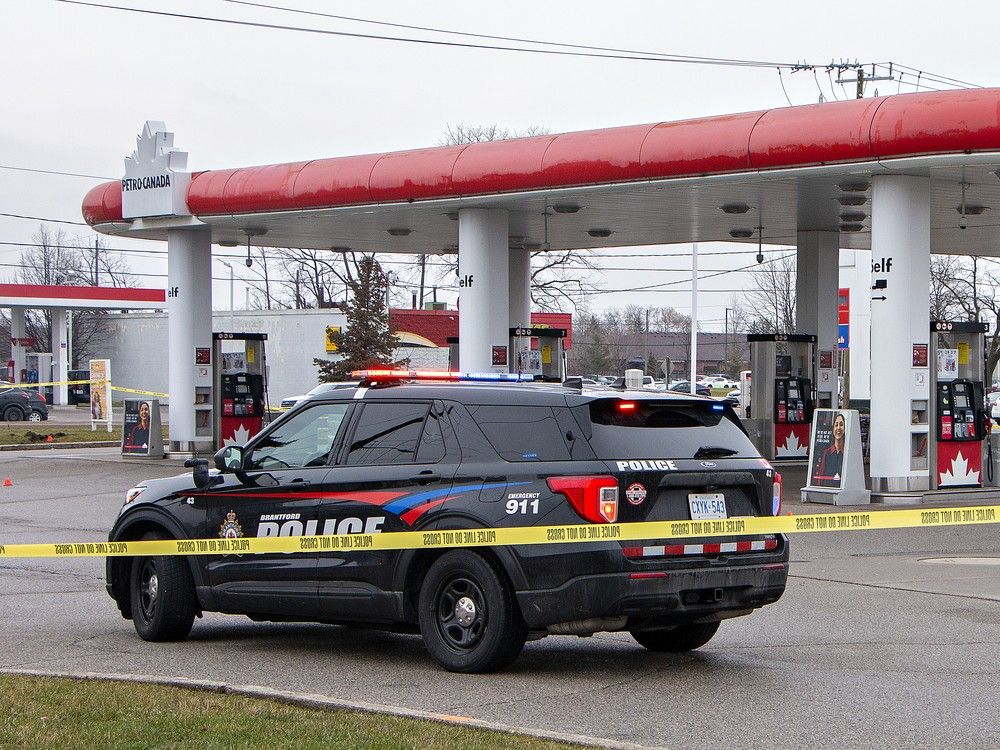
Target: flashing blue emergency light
[(384, 375), (718, 407)]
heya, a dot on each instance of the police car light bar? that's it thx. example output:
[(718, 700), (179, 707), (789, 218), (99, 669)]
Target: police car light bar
[(503, 377)]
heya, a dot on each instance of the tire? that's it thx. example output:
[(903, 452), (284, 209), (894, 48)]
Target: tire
[(677, 640), (35, 416), (13, 414), (162, 597), (469, 619)]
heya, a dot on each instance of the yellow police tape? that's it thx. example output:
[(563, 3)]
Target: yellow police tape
[(143, 393), (574, 534), (84, 382)]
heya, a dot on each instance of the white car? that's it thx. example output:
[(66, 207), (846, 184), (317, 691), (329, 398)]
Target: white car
[(288, 403), (716, 381), (993, 400)]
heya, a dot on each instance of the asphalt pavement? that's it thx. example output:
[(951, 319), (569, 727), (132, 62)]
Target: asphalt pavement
[(884, 638)]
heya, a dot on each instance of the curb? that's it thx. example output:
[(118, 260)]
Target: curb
[(308, 700), (53, 446)]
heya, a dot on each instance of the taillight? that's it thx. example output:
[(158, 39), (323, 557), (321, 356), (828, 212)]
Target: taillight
[(595, 499), (776, 495)]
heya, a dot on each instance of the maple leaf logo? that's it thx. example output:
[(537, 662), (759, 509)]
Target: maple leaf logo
[(155, 147), (959, 473), (791, 447), (241, 436)]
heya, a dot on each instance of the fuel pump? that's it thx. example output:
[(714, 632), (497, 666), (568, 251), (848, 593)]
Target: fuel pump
[(538, 350), (783, 373), (240, 378), (959, 420)]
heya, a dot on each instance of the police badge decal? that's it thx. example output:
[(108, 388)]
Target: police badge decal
[(230, 528)]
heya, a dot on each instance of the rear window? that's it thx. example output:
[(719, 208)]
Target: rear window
[(523, 433), (666, 429)]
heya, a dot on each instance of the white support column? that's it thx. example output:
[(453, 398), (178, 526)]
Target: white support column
[(17, 331), (189, 326), (817, 274), (60, 352), (519, 286), (901, 246), (483, 312)]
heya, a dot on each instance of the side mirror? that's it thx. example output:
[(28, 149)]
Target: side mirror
[(199, 470), (229, 459)]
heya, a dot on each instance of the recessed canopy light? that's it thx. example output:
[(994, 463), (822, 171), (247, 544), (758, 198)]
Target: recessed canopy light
[(741, 233), (565, 208), (599, 232), (452, 215), (973, 210), (851, 227), (852, 200), (853, 217), (854, 187), (734, 208), (399, 231), (229, 243), (338, 249)]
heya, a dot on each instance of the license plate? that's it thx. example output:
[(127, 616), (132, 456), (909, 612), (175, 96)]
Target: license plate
[(707, 505)]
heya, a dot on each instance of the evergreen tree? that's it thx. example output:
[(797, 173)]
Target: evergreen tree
[(368, 342)]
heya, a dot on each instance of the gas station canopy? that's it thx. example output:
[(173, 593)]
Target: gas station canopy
[(708, 179), (58, 297)]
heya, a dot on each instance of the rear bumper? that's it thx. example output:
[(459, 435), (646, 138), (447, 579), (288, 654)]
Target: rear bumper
[(681, 596)]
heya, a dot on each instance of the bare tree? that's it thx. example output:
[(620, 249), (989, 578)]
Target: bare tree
[(965, 288), (56, 259), (772, 296)]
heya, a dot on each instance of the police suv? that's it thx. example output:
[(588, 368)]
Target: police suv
[(400, 454)]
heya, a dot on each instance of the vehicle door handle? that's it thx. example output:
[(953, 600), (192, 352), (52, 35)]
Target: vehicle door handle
[(425, 477), (299, 483)]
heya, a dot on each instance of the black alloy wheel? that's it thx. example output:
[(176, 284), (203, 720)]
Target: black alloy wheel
[(678, 639), (162, 597), (469, 618)]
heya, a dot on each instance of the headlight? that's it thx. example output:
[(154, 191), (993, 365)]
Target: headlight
[(133, 493)]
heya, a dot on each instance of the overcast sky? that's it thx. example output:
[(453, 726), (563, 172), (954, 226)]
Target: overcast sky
[(80, 81)]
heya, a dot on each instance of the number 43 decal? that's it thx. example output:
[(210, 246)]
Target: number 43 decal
[(522, 506)]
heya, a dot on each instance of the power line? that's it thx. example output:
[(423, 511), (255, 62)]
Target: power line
[(432, 42), (520, 40), (39, 218), (52, 171)]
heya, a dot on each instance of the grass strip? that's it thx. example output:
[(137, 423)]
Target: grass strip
[(85, 714)]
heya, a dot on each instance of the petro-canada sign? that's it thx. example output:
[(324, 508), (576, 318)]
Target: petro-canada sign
[(155, 181)]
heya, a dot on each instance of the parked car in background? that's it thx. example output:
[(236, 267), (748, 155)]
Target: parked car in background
[(993, 401), (684, 386), (648, 382), (80, 393), (288, 403), (18, 404), (716, 381)]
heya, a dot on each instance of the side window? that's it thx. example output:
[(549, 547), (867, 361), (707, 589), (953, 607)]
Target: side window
[(304, 440), (523, 433), (387, 434), (431, 448)]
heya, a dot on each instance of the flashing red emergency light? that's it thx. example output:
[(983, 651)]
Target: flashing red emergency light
[(503, 377), (626, 406)]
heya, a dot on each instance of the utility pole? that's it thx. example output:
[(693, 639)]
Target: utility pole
[(423, 267), (97, 261), (861, 78), (645, 359)]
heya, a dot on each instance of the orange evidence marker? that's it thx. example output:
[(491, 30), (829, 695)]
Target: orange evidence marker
[(7, 482)]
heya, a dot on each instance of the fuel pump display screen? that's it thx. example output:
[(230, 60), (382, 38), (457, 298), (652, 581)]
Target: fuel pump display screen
[(961, 401)]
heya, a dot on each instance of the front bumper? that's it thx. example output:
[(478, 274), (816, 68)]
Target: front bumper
[(681, 596)]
